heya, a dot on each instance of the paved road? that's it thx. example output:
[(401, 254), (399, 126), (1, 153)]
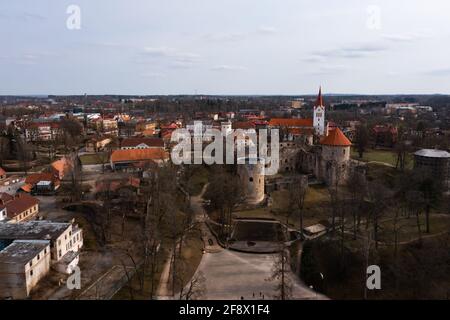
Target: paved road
[(232, 275)]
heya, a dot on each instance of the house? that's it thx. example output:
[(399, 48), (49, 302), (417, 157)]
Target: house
[(41, 183), (144, 126), (44, 131), (142, 143), (385, 135), (11, 184), (134, 159), (20, 207), (2, 174), (61, 167), (97, 144), (22, 264), (2, 213), (107, 126), (66, 240)]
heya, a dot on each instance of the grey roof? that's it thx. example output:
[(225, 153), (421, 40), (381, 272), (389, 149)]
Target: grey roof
[(432, 153), (38, 230), (22, 251)]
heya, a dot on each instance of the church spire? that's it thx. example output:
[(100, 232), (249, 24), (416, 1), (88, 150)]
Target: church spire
[(319, 101)]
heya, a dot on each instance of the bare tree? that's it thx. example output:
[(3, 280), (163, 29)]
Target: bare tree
[(195, 289), (280, 273)]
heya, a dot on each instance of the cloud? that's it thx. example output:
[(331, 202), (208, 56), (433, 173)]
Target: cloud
[(174, 58), (153, 75), (171, 53), (405, 37), (444, 72), (225, 37), (239, 36), (328, 70), (224, 67), (28, 58), (346, 52), (266, 30), (33, 16), (24, 17)]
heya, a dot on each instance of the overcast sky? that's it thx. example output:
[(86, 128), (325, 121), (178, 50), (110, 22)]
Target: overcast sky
[(225, 47)]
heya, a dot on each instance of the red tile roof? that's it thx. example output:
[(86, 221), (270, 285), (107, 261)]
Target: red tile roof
[(138, 155), (290, 122), (245, 125), (301, 131), (336, 138), (5, 197), (2, 172), (20, 203), (135, 141), (34, 178)]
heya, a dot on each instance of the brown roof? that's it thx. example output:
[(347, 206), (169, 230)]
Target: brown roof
[(336, 138), (5, 197), (138, 155), (243, 125), (289, 122), (301, 131), (20, 203), (135, 141), (34, 178)]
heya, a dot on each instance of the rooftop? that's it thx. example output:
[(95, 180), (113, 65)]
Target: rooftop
[(135, 141), (19, 204), (432, 153), (336, 138), (290, 122), (21, 252), (138, 155), (43, 230)]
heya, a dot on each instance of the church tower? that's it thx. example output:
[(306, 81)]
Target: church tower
[(319, 115)]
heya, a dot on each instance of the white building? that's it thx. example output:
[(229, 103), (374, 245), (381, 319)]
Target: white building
[(319, 116), (22, 264), (66, 240)]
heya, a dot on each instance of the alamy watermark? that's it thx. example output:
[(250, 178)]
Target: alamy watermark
[(373, 21), (74, 280), (373, 281), (224, 144), (73, 22)]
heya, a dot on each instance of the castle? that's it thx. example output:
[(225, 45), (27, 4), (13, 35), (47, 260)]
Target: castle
[(307, 146)]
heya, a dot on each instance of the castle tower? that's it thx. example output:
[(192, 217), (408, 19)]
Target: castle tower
[(336, 146), (252, 179), (335, 157), (319, 115)]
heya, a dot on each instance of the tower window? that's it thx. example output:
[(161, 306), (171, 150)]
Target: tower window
[(251, 179)]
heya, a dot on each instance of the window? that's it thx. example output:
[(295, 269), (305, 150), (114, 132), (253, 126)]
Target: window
[(31, 263), (31, 273), (59, 253), (343, 151), (38, 256), (251, 179)]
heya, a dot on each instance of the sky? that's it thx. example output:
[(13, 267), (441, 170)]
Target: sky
[(264, 47)]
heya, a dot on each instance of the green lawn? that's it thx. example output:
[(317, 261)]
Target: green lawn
[(385, 156), (97, 158), (314, 210)]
